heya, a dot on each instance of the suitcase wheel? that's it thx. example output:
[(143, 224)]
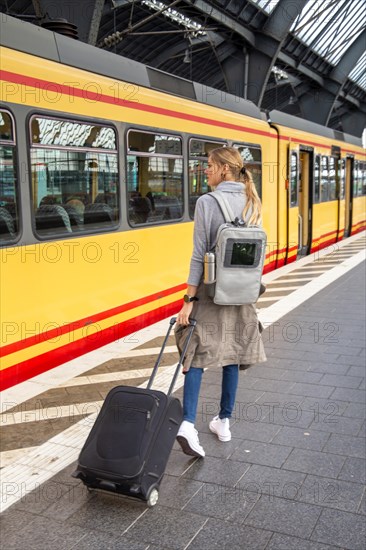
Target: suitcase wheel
[(152, 497)]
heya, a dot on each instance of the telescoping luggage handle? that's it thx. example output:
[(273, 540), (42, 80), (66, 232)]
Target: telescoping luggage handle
[(192, 323)]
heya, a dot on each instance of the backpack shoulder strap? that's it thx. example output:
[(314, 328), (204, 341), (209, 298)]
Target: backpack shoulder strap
[(224, 205)]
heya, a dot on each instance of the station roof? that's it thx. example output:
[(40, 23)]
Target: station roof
[(302, 57)]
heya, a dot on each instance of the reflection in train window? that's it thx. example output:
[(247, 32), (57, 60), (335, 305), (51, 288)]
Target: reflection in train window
[(252, 159), (154, 177), (324, 181), (294, 179), (332, 178), (342, 179), (199, 151), (9, 192), (317, 179), (74, 176)]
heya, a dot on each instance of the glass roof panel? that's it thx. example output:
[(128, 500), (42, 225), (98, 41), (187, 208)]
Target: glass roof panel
[(267, 5), (329, 27), (358, 74)]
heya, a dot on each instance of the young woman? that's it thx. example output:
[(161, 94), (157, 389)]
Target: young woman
[(226, 336)]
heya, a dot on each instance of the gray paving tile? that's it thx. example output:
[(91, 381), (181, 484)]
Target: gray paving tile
[(357, 371), (284, 516), (362, 507), (284, 542), (347, 394), (69, 504), (176, 492), (172, 529), (341, 381), (346, 445), (107, 512), (259, 371), (334, 423), (231, 504), (214, 470), (44, 496), (332, 493), (263, 480), (96, 540), (351, 361), (303, 438), (325, 464), (299, 376), (291, 414), (256, 452), (219, 449), (354, 469), (44, 533), (272, 385), (312, 390), (12, 520), (178, 462), (342, 529), (328, 368), (355, 410), (324, 406), (254, 430), (280, 399), (217, 535), (344, 350)]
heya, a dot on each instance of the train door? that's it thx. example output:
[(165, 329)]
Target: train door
[(347, 172), (305, 200), (293, 204)]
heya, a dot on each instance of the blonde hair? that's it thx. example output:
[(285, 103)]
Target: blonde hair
[(231, 157)]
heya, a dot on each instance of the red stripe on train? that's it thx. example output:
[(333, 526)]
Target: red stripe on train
[(70, 327), (47, 361)]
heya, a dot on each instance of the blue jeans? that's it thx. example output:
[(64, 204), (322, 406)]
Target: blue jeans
[(192, 385)]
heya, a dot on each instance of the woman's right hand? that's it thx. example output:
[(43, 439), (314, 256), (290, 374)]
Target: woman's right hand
[(184, 314)]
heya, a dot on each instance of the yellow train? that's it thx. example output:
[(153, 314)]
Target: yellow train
[(101, 163)]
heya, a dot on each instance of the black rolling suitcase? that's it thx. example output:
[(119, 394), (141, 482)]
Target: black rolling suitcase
[(129, 445)]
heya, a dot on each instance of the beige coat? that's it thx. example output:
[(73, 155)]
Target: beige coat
[(224, 335)]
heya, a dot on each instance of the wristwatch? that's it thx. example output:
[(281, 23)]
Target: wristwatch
[(189, 299)]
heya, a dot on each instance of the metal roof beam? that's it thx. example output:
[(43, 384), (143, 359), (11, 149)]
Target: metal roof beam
[(268, 46), (220, 17)]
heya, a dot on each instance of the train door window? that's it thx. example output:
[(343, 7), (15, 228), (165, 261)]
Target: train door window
[(252, 159), (363, 174), (294, 171), (154, 177), (359, 179), (317, 179), (74, 176), (332, 178), (342, 178), (324, 187), (199, 150), (9, 192)]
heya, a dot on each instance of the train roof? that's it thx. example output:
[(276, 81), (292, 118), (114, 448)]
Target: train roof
[(290, 121), (28, 38)]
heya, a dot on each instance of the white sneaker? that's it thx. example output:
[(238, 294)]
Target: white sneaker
[(187, 438), (221, 427)]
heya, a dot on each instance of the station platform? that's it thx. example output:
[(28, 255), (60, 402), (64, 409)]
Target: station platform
[(292, 477)]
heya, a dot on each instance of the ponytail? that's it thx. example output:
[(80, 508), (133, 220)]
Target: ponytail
[(254, 202)]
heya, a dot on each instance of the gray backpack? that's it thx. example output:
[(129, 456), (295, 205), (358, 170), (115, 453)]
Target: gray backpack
[(234, 268)]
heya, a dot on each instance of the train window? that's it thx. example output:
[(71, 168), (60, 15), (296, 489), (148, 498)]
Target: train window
[(74, 176), (154, 177), (294, 170), (359, 179), (252, 158), (9, 192), (363, 172), (342, 178), (324, 187), (333, 176), (199, 150), (317, 179)]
